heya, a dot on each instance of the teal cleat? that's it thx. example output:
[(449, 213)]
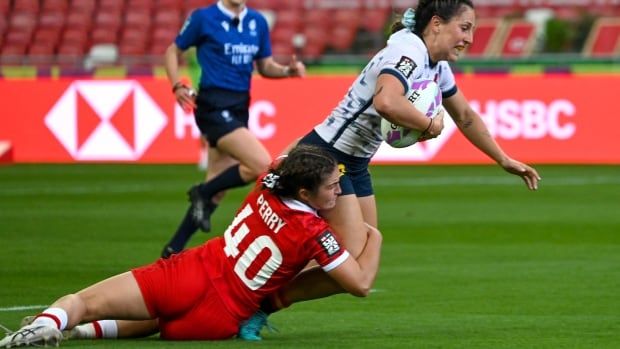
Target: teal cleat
[(250, 329)]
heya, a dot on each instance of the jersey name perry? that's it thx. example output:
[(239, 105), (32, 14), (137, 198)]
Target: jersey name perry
[(269, 216)]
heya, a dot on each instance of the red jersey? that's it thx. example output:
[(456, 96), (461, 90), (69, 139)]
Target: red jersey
[(269, 242)]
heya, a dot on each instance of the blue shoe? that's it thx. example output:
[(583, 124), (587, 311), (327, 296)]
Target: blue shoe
[(250, 329)]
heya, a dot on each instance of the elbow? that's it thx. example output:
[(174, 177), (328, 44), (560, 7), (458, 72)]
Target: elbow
[(362, 289), (383, 106)]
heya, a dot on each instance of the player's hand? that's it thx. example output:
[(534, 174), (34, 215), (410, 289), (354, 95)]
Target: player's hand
[(296, 68), (528, 174), (186, 97), (435, 128)]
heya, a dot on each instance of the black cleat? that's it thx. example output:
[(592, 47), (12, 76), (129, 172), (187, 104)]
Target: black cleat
[(201, 209)]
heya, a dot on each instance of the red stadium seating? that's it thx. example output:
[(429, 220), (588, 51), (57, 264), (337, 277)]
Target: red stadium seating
[(603, 39), (518, 39), (55, 5), (486, 36)]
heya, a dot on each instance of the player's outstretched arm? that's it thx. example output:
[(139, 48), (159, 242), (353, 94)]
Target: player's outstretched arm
[(473, 127)]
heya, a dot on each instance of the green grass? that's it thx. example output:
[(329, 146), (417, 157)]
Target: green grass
[(471, 259)]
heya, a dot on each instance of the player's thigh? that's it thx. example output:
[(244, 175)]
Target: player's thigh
[(347, 221), (243, 145), (118, 297), (368, 205)]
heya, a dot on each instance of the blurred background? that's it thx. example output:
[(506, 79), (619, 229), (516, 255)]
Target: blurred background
[(69, 37)]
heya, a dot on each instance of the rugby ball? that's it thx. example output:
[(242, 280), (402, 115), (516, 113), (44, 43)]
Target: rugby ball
[(425, 95)]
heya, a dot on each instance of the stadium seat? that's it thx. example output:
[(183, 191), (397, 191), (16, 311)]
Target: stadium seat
[(75, 36), (604, 38), (374, 20), (55, 5), (111, 5), (140, 4), (12, 54), (486, 36), (319, 18), (167, 18), (41, 54), (138, 20), (341, 38), (164, 36), (5, 7), (289, 19), (191, 5), (49, 36), (84, 6), (168, 5), (26, 6), (23, 21), (79, 20), (51, 19), (103, 36), (518, 39)]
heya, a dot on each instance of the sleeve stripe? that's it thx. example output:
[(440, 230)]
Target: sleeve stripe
[(449, 93), (397, 75), (336, 262)]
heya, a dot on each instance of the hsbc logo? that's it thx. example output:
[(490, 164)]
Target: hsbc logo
[(106, 120)]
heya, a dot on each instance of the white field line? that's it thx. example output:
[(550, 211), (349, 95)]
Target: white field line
[(494, 180), (22, 307)]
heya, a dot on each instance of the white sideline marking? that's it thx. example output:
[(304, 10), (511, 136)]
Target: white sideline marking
[(494, 180), (22, 307)]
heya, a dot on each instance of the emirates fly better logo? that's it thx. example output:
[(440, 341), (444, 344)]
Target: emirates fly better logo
[(106, 120)]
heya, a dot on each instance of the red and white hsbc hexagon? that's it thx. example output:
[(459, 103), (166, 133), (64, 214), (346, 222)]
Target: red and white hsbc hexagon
[(106, 120)]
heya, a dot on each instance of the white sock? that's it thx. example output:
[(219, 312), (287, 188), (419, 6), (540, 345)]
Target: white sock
[(55, 317), (97, 329)]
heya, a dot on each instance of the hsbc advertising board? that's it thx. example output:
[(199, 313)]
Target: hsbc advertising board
[(536, 119)]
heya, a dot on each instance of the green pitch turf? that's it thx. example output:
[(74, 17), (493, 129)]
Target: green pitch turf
[(471, 259)]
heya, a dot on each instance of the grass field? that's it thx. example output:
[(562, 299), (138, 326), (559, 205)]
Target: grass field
[(471, 259)]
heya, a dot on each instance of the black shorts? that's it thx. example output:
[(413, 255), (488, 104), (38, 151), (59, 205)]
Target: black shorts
[(219, 112), (356, 179)]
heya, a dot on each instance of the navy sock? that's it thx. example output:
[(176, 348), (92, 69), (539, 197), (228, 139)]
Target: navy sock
[(230, 178), (184, 232)]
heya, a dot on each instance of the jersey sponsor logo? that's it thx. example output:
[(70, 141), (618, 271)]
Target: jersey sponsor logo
[(105, 120), (329, 243), (406, 66), (252, 26)]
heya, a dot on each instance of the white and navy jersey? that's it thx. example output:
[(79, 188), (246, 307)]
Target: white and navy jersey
[(354, 126), (226, 52)]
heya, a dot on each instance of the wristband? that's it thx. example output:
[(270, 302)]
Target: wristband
[(177, 86), (287, 71), (425, 132)]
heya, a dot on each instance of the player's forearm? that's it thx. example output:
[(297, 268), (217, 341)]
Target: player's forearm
[(171, 64), (369, 260), (478, 134), (269, 68)]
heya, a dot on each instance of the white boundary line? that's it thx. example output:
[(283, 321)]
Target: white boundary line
[(22, 307)]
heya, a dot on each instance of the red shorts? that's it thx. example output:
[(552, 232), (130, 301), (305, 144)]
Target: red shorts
[(179, 292)]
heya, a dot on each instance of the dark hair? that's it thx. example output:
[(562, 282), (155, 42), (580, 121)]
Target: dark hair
[(426, 9), (306, 166)]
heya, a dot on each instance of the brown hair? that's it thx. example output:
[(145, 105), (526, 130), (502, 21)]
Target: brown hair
[(426, 9)]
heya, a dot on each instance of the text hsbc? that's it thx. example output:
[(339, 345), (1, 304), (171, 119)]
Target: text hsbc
[(528, 119)]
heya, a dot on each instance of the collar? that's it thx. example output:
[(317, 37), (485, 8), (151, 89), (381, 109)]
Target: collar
[(299, 206), (428, 55), (230, 14)]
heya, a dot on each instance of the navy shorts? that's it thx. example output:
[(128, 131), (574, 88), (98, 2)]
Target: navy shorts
[(219, 112), (356, 179)]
